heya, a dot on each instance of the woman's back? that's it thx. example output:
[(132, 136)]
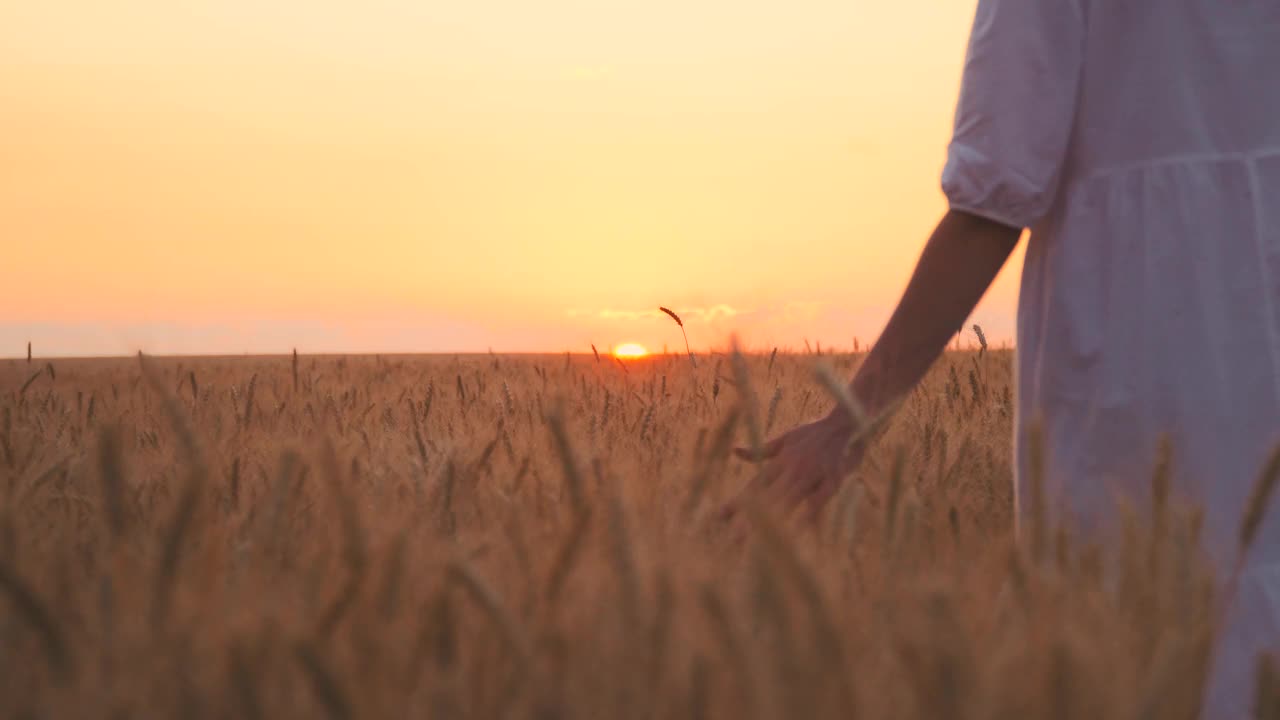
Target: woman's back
[(1140, 140), (1164, 79)]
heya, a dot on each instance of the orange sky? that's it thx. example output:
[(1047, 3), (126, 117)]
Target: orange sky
[(395, 175)]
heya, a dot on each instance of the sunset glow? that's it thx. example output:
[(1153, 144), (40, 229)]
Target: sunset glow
[(630, 351), (224, 176)]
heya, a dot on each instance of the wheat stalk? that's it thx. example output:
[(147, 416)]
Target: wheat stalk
[(33, 610), (565, 558), (34, 376), (460, 572), (245, 682), (111, 465), (354, 551), (323, 683), (680, 322), (982, 338), (747, 400), (1254, 513), (731, 644), (317, 588), (719, 449), (564, 448), (1039, 503), (773, 409), (624, 560), (1259, 501)]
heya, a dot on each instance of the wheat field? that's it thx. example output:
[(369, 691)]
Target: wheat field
[(539, 537)]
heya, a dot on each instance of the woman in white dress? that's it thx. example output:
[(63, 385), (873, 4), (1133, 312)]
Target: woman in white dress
[(1139, 140)]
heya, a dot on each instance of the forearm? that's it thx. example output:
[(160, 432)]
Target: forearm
[(957, 266)]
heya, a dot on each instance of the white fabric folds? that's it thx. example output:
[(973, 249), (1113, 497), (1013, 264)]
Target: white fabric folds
[(1140, 142)]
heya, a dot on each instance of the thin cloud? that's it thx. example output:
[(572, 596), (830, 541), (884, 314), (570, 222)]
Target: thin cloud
[(710, 314), (801, 310)]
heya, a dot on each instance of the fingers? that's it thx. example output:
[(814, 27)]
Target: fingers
[(782, 485), (818, 500), (799, 488), (783, 492), (852, 458), (768, 451), (761, 491), (728, 510)]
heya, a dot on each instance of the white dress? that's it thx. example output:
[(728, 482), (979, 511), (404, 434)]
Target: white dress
[(1140, 142)]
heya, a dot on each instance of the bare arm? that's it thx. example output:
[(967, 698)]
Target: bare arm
[(957, 266)]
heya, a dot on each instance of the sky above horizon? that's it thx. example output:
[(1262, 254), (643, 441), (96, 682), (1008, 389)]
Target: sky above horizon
[(232, 176)]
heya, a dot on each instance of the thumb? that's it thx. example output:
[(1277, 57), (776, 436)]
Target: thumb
[(768, 451)]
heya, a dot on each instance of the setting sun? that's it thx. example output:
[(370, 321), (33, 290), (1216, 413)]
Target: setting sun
[(630, 351)]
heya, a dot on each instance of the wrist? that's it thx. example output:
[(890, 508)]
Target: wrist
[(854, 413), (840, 421)]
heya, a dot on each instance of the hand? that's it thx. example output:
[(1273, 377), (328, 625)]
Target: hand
[(805, 465)]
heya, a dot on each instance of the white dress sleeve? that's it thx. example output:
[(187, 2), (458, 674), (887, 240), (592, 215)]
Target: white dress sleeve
[(1016, 110)]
